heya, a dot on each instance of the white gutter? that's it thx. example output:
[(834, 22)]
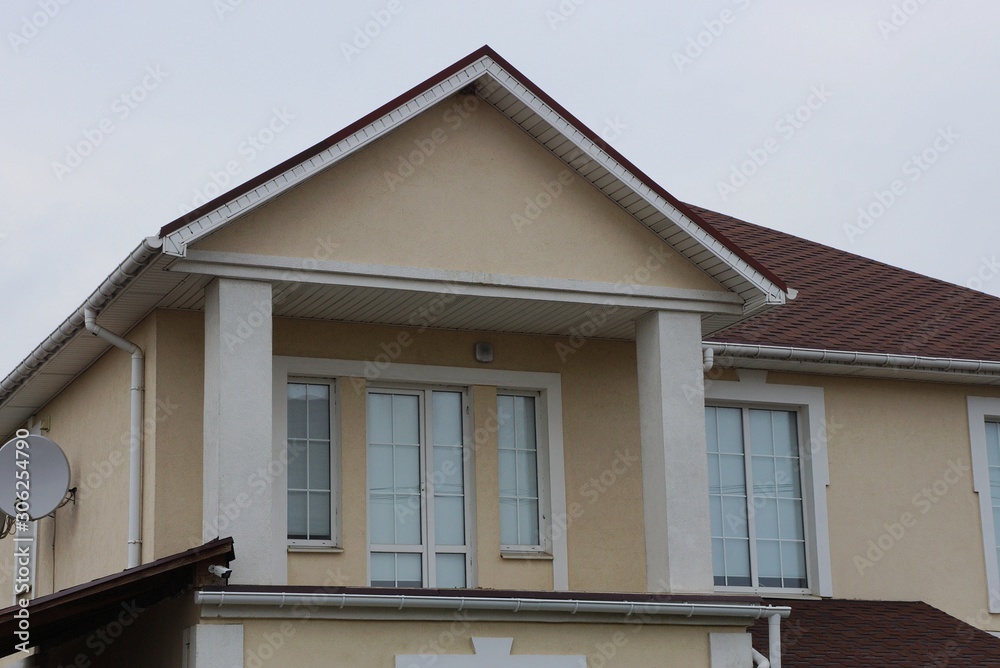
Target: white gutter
[(877, 360), (400, 602), (137, 392), (137, 260), (759, 660)]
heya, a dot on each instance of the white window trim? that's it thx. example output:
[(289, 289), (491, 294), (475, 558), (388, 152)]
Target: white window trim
[(544, 547), (753, 390), (982, 409), (427, 531), (547, 385), (333, 544)]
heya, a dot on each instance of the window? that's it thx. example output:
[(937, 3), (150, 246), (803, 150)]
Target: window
[(310, 488), (520, 507), (755, 491), (984, 434), (417, 505)]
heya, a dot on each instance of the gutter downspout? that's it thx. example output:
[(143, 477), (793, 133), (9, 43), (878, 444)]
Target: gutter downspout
[(759, 660), (774, 640), (137, 393)]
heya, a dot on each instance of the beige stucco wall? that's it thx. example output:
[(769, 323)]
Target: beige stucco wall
[(90, 421), (455, 210), (891, 447), (600, 422), (375, 644)]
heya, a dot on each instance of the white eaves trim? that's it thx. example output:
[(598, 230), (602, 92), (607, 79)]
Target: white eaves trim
[(177, 242), (335, 272)]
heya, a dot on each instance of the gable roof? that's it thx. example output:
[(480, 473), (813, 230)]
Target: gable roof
[(502, 86), (862, 634), (852, 303)]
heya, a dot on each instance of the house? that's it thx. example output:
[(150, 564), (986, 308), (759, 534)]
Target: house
[(461, 386)]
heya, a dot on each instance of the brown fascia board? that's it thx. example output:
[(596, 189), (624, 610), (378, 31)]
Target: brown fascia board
[(430, 83)]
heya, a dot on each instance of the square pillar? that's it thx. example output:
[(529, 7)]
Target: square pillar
[(238, 435), (674, 459)]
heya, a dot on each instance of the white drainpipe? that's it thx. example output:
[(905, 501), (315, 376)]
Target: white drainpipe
[(135, 433), (759, 660), (307, 602)]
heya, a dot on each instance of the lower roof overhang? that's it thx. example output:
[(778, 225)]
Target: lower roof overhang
[(78, 610)]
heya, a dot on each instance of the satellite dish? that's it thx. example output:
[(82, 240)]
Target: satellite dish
[(47, 476)]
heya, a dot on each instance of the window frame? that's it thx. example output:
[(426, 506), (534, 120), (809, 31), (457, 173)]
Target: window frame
[(334, 542), (753, 391), (544, 546), (745, 409), (547, 384), (981, 411), (428, 545)]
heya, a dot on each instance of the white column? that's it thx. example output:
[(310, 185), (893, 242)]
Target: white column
[(214, 646), (238, 442), (674, 461)]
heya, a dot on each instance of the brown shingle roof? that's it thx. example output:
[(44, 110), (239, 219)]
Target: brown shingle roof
[(874, 634), (849, 302)]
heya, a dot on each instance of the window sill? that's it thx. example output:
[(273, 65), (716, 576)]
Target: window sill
[(329, 549), (528, 556)]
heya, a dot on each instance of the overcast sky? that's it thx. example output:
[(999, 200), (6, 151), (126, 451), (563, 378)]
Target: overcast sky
[(794, 115)]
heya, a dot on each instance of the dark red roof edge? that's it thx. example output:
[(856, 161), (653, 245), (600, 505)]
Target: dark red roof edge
[(431, 82)]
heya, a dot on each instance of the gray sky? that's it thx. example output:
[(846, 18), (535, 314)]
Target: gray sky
[(786, 113)]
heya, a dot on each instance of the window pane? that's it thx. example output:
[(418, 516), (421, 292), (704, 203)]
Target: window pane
[(508, 522), (730, 429), (505, 419), (790, 513), (408, 570), (450, 570), (993, 443), (711, 429), (527, 476), (379, 418), (715, 503), (405, 419), (296, 410), (381, 523), (785, 429), (732, 475), (761, 434), (763, 477), (319, 465), (406, 469), (737, 559), (766, 518), (508, 480), (407, 520), (297, 515), (524, 418), (449, 520), (786, 475), (297, 464), (383, 569), (380, 468), (769, 560), (734, 519), (319, 411), (719, 560), (448, 470), (319, 515), (527, 522), (793, 562), (447, 411)]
